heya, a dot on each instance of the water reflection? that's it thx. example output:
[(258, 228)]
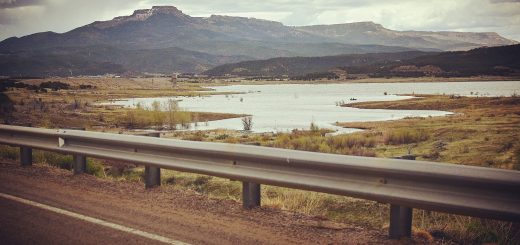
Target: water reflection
[(284, 107)]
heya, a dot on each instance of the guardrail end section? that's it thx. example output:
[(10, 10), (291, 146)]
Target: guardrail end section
[(25, 156), (250, 195)]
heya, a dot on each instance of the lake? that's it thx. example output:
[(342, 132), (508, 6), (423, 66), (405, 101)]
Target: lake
[(284, 107)]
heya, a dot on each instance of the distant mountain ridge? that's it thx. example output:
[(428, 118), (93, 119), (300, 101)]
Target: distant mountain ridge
[(376, 34), (296, 66), (225, 39), (98, 60), (492, 61)]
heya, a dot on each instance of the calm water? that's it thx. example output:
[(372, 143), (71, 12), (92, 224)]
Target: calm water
[(285, 107)]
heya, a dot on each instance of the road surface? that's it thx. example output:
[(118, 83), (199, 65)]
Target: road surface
[(45, 205)]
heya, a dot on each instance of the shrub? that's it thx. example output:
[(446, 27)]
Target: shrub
[(55, 86), (222, 137), (197, 136), (86, 86), (349, 144), (314, 128), (351, 140), (405, 136), (56, 159), (144, 117), (247, 123), (8, 152), (95, 168)]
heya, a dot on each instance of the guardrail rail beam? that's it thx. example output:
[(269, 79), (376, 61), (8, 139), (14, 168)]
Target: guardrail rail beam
[(404, 184)]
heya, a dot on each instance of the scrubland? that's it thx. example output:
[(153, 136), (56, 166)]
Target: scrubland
[(482, 132)]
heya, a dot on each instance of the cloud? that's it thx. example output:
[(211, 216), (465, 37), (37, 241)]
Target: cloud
[(502, 16), (4, 4), (505, 1)]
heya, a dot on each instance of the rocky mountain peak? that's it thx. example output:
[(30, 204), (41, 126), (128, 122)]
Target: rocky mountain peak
[(142, 15), (244, 20), (166, 10), (364, 26)]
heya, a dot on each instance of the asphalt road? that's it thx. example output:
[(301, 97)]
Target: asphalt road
[(72, 210), (25, 224)]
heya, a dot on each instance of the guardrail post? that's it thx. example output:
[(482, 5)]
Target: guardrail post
[(250, 195), (152, 175), (400, 222), (25, 156), (401, 216), (79, 161), (80, 164)]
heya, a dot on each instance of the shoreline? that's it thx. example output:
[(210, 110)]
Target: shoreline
[(371, 80)]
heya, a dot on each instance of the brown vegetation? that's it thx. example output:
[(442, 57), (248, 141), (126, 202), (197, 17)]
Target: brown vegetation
[(79, 108), (484, 131)]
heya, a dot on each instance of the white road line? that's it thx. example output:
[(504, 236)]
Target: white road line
[(94, 220)]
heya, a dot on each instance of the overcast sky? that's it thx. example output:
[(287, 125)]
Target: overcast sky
[(22, 17)]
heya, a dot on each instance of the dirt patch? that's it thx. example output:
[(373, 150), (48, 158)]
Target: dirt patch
[(179, 214)]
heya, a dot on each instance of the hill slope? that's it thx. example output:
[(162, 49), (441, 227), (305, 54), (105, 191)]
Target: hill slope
[(376, 34), (213, 41), (497, 61), (166, 26), (95, 60), (294, 66), (500, 61)]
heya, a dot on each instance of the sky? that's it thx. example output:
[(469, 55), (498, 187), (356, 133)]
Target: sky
[(23, 17)]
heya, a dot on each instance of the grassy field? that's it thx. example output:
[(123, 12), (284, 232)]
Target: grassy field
[(482, 132)]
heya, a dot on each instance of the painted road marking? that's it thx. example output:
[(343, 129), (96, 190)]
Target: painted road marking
[(94, 220)]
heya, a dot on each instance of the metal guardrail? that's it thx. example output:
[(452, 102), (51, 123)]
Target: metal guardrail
[(405, 184)]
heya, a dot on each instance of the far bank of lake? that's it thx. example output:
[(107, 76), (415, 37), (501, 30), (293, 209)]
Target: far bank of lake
[(283, 107)]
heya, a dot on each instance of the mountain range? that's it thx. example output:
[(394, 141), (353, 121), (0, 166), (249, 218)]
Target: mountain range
[(297, 66), (165, 40), (490, 61)]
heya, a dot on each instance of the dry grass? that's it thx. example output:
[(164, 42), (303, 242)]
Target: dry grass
[(483, 135), (405, 136), (364, 213), (315, 140), (78, 107), (482, 132)]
